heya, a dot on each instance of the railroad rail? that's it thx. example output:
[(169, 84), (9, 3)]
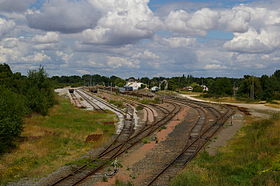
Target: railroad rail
[(117, 148), (199, 135), (92, 103)]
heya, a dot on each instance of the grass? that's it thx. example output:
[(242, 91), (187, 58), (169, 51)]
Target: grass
[(150, 101), (54, 140), (274, 104), (117, 103), (190, 93), (251, 158)]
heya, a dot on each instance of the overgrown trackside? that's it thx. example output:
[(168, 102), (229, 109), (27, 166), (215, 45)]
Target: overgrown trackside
[(49, 142), (251, 158)]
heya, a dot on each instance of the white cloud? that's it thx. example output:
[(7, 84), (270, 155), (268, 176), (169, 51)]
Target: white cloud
[(49, 37), (123, 22), (146, 55), (192, 24), (6, 26), (176, 42), (118, 62), (64, 56), (214, 66), (83, 72), (266, 40), (37, 57), (234, 20)]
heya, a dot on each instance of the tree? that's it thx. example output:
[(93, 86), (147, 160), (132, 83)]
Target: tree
[(39, 91), (220, 87), (12, 109)]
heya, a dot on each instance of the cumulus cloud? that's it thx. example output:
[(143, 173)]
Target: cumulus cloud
[(6, 26), (118, 62), (37, 57), (234, 20), (192, 24), (64, 56), (214, 66), (64, 16), (124, 21), (176, 42), (266, 40), (49, 37), (146, 55)]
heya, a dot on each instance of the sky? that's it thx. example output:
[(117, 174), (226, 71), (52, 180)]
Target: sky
[(203, 38)]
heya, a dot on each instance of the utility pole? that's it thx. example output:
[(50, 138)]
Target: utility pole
[(252, 92), (234, 89)]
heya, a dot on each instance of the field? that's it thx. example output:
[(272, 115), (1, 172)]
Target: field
[(251, 158), (54, 140)]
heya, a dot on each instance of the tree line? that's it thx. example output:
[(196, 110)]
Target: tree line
[(249, 87), (20, 96)]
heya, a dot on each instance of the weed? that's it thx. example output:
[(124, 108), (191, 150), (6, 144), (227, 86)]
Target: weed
[(251, 158), (54, 140), (104, 179), (121, 183)]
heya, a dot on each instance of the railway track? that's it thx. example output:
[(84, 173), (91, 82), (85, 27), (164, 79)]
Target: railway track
[(199, 135), (89, 101), (116, 148)]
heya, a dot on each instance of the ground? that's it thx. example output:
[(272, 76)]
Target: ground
[(251, 157), (52, 141)]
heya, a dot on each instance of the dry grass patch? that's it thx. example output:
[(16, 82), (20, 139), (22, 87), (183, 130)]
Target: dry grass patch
[(54, 140)]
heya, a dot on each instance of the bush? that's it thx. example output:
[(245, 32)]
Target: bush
[(12, 109), (39, 91)]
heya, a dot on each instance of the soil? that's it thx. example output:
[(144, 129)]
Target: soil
[(141, 162), (226, 133)]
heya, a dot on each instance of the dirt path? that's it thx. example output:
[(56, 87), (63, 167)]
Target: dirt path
[(246, 105), (226, 133)]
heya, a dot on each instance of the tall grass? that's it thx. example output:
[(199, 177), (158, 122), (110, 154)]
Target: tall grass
[(52, 141), (251, 158)]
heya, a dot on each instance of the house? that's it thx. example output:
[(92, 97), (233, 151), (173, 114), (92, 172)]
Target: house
[(205, 88), (133, 84), (188, 88), (154, 89)]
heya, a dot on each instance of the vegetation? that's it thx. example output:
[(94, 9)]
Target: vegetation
[(121, 183), (49, 142), (117, 103), (251, 158), (249, 87), (21, 95), (87, 80), (150, 101)]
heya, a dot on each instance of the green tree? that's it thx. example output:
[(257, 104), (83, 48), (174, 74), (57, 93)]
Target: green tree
[(220, 87), (39, 92), (12, 109)]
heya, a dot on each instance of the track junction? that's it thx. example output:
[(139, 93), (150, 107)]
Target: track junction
[(135, 125)]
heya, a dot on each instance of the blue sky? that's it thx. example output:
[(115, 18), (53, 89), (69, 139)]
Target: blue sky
[(132, 38)]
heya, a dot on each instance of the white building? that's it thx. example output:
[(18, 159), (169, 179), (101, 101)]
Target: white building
[(154, 89), (134, 84), (205, 88), (188, 88)]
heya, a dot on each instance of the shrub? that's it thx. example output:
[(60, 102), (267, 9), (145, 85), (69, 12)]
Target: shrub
[(12, 109), (39, 91)]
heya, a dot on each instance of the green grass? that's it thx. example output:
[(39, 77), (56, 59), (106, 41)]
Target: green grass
[(117, 103), (251, 158), (54, 140), (150, 101)]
